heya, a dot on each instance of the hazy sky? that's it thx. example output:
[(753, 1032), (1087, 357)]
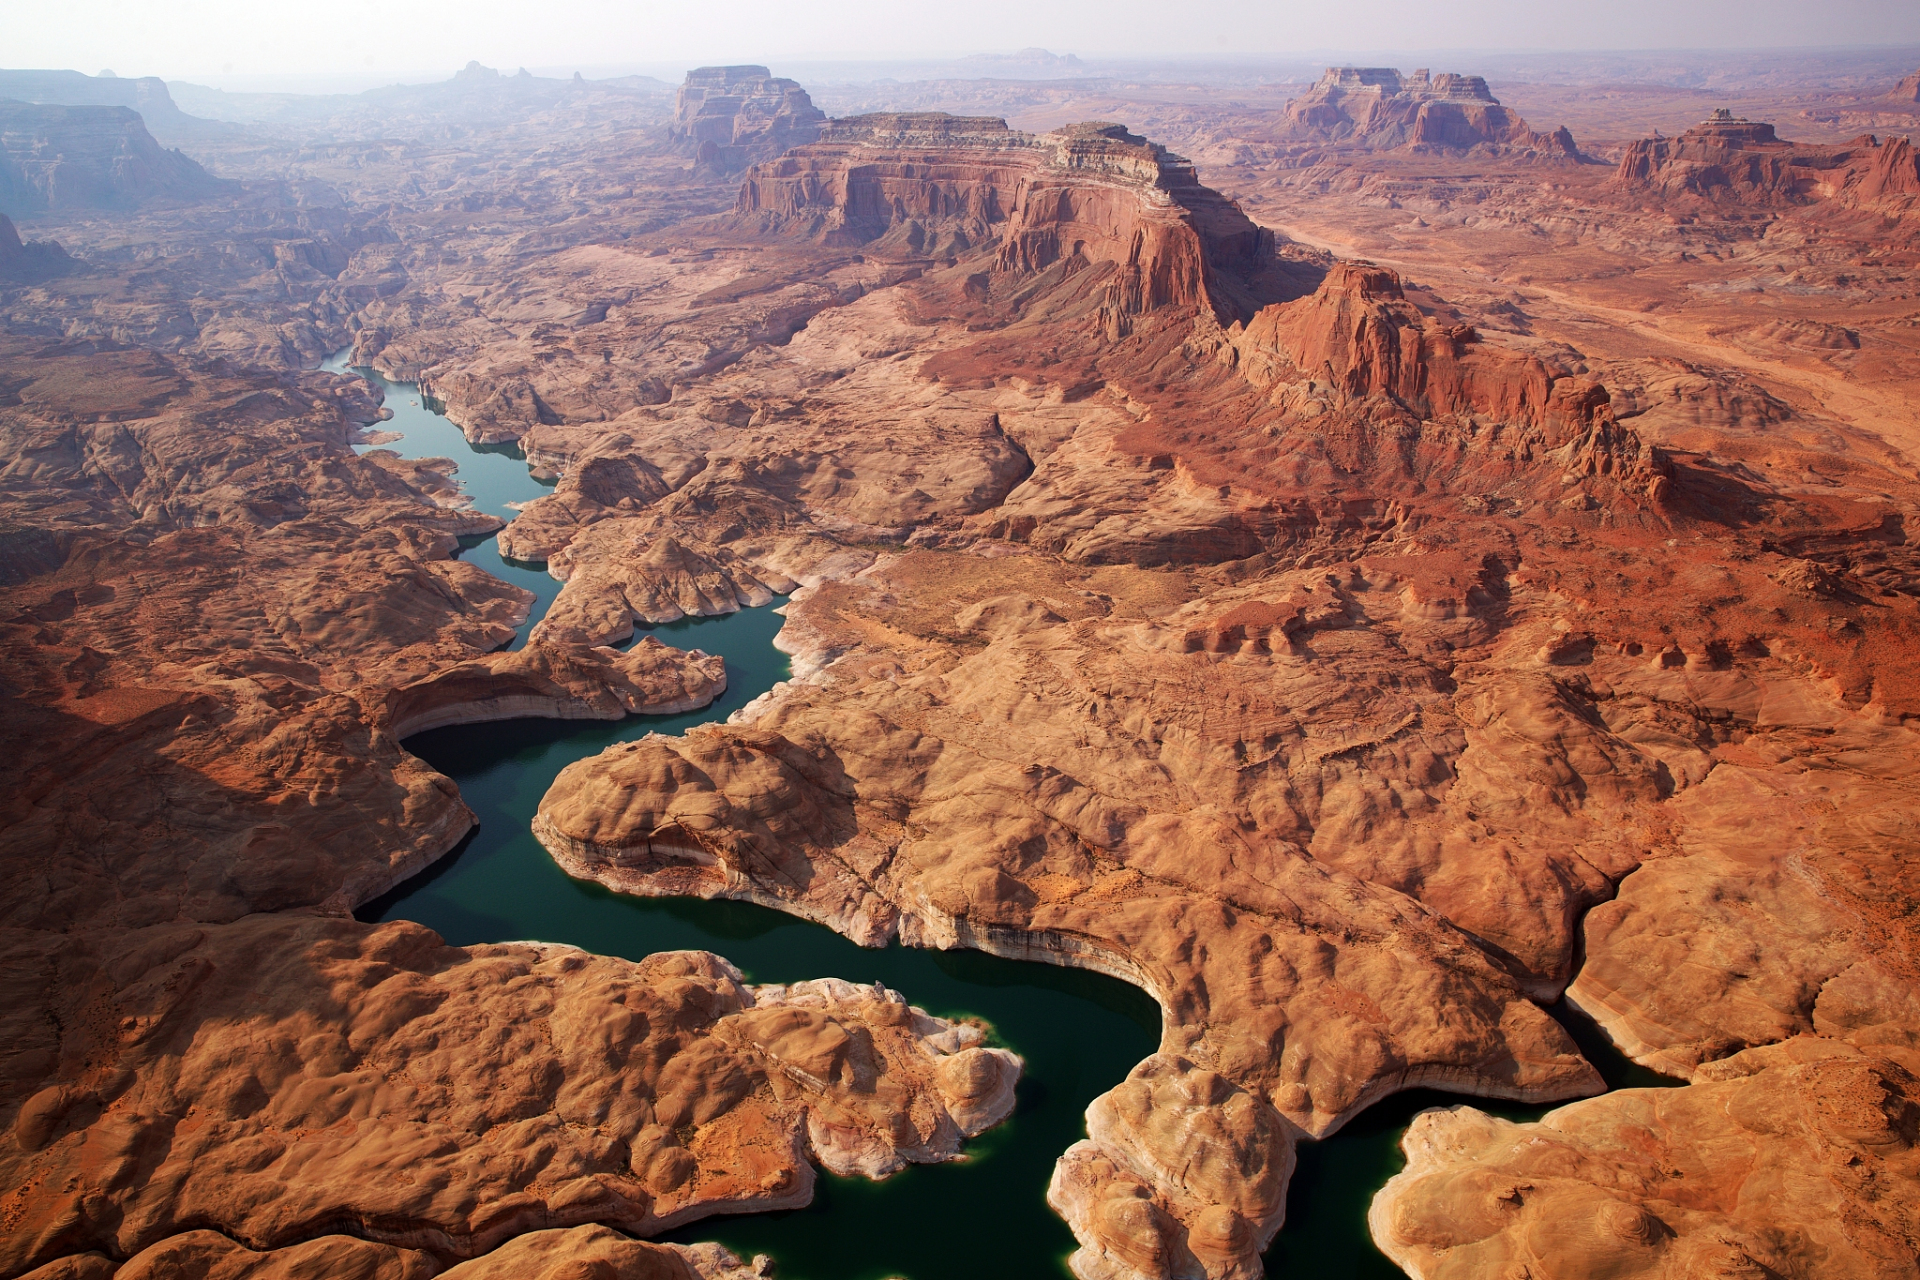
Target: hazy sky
[(209, 38)]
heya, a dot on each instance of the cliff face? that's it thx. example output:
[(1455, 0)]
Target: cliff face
[(146, 94), (29, 262), (1087, 195), (1382, 109), (1908, 90), (1359, 334), (55, 157), (1731, 159), (732, 116)]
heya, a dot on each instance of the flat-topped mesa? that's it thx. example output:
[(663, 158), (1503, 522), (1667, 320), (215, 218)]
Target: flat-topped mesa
[(60, 157), (147, 95), (1086, 195), (1387, 82), (1381, 109), (1907, 90), (1729, 158), (733, 116)]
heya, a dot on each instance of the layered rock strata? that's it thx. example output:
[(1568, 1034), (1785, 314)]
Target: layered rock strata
[(1283, 685), (559, 683), (1318, 675), (1084, 196), (147, 95), (733, 116), (56, 157), (1379, 108), (1734, 159)]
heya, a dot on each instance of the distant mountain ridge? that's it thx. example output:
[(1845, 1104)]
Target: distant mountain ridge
[(89, 157)]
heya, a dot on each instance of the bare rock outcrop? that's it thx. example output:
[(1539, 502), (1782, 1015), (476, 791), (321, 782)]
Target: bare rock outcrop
[(1798, 1159), (1379, 108), (29, 262), (560, 683), (1730, 158), (1359, 337), (147, 95), (732, 116), (1907, 90), (286, 1074), (1084, 196), (56, 157), (552, 1254), (1182, 1173)]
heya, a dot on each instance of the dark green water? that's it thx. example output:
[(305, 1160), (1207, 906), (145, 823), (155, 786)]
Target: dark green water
[(1080, 1033), (491, 474), (1325, 1236)]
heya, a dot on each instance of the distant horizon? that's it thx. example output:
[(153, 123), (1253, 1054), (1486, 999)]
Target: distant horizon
[(349, 80), (381, 41)]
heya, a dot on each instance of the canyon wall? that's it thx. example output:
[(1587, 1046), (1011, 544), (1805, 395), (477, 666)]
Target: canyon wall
[(147, 95), (1086, 195), (57, 157)]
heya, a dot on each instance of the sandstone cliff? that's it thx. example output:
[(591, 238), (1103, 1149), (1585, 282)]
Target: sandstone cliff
[(1732, 159), (1908, 90), (1355, 681), (54, 157), (730, 117), (1084, 196), (1378, 108), (147, 95), (1416, 769)]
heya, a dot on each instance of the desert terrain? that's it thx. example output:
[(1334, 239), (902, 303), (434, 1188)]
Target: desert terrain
[(1415, 570)]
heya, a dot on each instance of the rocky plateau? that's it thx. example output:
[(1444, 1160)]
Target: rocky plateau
[(1361, 585)]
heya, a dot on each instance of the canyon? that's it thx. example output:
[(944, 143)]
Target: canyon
[(1365, 585)]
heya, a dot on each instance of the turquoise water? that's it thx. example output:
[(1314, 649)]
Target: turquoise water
[(1079, 1032), (491, 474)]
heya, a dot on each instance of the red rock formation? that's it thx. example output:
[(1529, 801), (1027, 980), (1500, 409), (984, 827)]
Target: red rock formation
[(554, 1254), (1087, 195), (555, 682), (54, 157), (1359, 337), (1378, 107), (1908, 90), (287, 1075), (1733, 159), (1798, 1159), (732, 116), (1895, 172)]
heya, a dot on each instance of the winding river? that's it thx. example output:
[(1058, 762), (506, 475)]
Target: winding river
[(1079, 1032)]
